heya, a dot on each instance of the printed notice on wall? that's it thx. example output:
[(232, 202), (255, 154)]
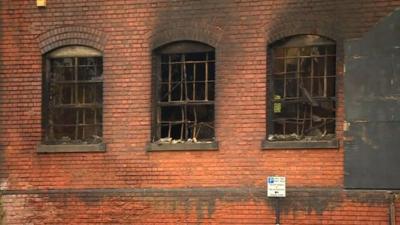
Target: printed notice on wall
[(277, 105), (276, 186), (40, 3)]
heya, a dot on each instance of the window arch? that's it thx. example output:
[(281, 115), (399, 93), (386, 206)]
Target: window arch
[(184, 93), (302, 88), (73, 96)]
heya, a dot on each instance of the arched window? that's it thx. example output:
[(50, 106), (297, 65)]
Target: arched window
[(302, 88), (184, 93), (73, 96)]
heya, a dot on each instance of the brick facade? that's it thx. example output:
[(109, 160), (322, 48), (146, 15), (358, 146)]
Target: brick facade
[(127, 184)]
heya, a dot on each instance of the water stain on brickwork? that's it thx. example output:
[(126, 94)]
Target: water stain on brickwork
[(199, 202), (204, 201), (2, 212), (90, 198), (3, 172), (310, 200), (370, 198)]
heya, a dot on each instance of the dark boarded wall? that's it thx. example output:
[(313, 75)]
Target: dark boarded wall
[(372, 107)]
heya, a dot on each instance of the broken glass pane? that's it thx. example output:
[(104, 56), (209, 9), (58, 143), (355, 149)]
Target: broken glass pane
[(64, 116), (200, 72), (195, 57), (211, 92), (279, 66), (211, 71), (279, 87), (279, 52), (172, 113), (318, 66), (176, 57), (291, 65), (318, 87), (176, 72), (292, 52), (64, 133), (291, 88), (164, 72)]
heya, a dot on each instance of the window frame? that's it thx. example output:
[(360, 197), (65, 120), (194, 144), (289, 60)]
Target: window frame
[(49, 145), (178, 47), (306, 142)]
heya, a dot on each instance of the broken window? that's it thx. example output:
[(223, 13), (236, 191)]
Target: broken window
[(73, 96), (185, 84), (302, 93)]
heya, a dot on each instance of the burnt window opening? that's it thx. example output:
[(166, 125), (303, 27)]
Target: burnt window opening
[(73, 96), (185, 90), (302, 93)]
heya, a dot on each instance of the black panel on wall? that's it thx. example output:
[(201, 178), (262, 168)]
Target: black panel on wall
[(372, 107)]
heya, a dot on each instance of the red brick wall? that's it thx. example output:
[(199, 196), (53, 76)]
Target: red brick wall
[(127, 31), (197, 206)]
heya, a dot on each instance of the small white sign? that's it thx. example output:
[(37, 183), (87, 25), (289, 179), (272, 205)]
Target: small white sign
[(276, 186)]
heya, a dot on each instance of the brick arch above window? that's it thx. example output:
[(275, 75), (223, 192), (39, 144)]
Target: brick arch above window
[(72, 35), (198, 32), (283, 29)]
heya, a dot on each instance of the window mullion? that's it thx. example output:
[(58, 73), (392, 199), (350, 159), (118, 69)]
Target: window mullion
[(298, 80), (50, 100), (325, 71), (206, 79), (169, 78), (194, 82), (76, 99), (284, 87), (185, 107), (311, 89), (285, 74)]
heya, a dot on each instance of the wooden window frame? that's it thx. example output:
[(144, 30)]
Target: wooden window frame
[(304, 97), (187, 142), (92, 82)]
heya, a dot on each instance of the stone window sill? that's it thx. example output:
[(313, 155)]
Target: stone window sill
[(320, 144), (65, 148), (205, 146)]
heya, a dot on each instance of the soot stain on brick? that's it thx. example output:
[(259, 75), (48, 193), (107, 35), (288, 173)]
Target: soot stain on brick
[(3, 171), (317, 200), (370, 198), (90, 198), (203, 201), (2, 212), (174, 24)]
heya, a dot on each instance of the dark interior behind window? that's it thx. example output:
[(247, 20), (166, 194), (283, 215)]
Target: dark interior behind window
[(302, 93), (185, 89), (73, 96)]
